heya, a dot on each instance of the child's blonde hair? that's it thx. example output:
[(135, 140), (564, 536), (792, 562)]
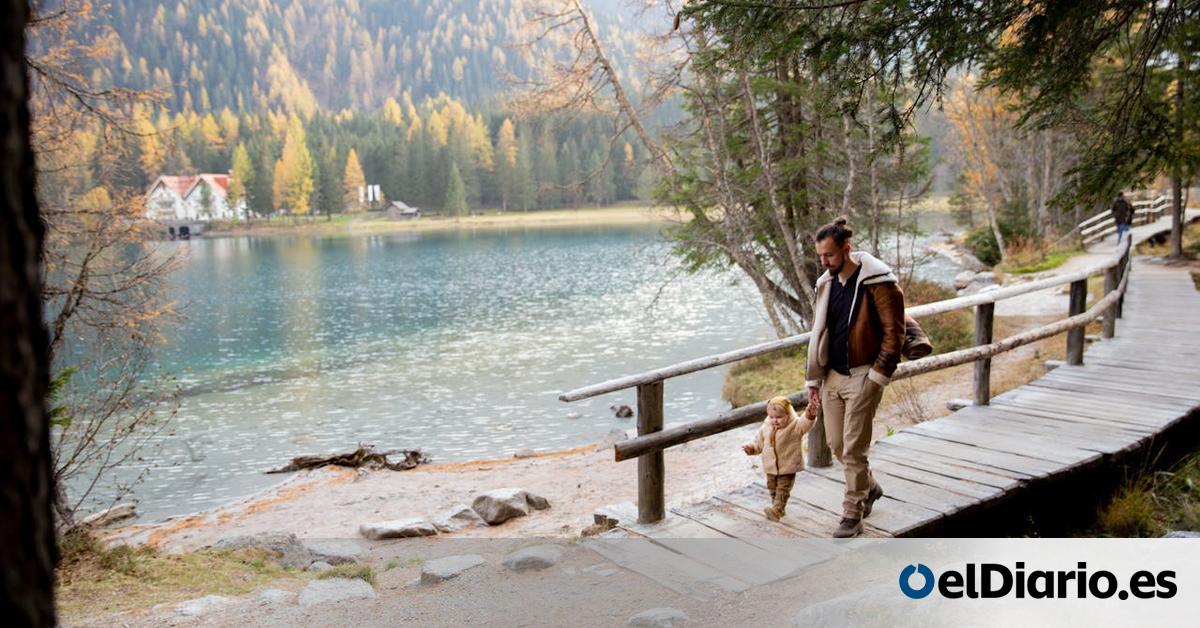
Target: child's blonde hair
[(785, 404)]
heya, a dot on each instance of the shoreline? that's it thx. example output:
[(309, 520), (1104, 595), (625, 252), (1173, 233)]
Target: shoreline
[(332, 502), (368, 224)]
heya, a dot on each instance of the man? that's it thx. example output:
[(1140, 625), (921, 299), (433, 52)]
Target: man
[(858, 333), (1122, 213)]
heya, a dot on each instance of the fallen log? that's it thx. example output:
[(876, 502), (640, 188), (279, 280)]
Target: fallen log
[(364, 456)]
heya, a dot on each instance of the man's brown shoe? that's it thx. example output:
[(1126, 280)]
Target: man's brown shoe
[(772, 513), (875, 493), (848, 528)]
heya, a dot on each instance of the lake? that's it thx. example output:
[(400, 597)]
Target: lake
[(456, 343)]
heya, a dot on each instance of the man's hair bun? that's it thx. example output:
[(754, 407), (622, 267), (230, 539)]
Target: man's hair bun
[(836, 230)]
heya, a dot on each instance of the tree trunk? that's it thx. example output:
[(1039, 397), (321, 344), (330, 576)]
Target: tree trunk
[(27, 526), (1177, 179), (995, 225)]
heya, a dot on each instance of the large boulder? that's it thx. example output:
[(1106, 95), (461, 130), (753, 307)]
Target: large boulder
[(456, 518), (337, 551), (979, 283), (442, 569), (283, 548), (622, 411), (963, 279), (398, 529), (536, 557), (335, 590), (500, 505)]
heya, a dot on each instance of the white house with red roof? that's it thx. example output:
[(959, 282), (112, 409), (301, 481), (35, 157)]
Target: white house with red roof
[(192, 197)]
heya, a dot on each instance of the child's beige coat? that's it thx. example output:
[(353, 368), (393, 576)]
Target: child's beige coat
[(782, 449)]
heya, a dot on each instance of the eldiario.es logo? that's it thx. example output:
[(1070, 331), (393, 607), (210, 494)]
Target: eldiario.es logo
[(994, 580)]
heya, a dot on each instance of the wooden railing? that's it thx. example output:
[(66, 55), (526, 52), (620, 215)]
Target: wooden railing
[(652, 439), (1102, 225)]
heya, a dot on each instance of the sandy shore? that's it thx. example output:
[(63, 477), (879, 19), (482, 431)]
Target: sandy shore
[(367, 224)]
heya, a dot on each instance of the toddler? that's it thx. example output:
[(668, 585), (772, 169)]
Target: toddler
[(780, 440)]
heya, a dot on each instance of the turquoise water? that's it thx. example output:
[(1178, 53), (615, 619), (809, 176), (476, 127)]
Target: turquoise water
[(455, 343)]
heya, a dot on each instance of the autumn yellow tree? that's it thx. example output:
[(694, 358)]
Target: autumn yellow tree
[(296, 168), (353, 181), (1003, 167), (153, 153), (104, 296)]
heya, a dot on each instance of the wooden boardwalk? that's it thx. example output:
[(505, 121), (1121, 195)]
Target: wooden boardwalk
[(1075, 419)]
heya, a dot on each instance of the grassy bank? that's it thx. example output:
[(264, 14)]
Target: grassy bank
[(1152, 503), (93, 580), (370, 223)]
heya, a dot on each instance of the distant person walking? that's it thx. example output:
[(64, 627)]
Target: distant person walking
[(858, 334), (1122, 213)]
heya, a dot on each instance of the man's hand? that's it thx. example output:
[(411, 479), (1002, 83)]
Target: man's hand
[(814, 399), (749, 449)]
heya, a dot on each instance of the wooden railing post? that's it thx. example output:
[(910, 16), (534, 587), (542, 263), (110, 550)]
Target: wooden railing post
[(983, 368), (819, 454), (1111, 281), (1123, 267), (651, 470), (1075, 336)]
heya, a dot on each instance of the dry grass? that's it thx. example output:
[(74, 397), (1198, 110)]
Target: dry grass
[(93, 580), (911, 405), (1152, 503), (362, 572), (760, 378), (1033, 256)]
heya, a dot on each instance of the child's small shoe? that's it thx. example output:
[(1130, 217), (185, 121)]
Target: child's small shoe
[(772, 513)]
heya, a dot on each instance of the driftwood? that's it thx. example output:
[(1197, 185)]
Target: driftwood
[(364, 456)]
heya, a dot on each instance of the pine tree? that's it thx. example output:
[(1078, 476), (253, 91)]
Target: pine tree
[(262, 184), (456, 194), (526, 189), (278, 186), (353, 182), (506, 163), (329, 193), (241, 180), (206, 200)]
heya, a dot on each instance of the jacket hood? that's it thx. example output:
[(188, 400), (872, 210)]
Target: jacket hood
[(873, 270)]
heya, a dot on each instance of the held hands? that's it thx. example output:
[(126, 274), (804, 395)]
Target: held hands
[(814, 400)]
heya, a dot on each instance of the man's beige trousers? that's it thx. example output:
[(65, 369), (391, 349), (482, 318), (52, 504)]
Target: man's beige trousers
[(849, 403)]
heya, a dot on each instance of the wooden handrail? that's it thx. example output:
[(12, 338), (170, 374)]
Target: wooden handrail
[(799, 340), (1144, 212), (1107, 213), (652, 439), (683, 368), (747, 415)]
